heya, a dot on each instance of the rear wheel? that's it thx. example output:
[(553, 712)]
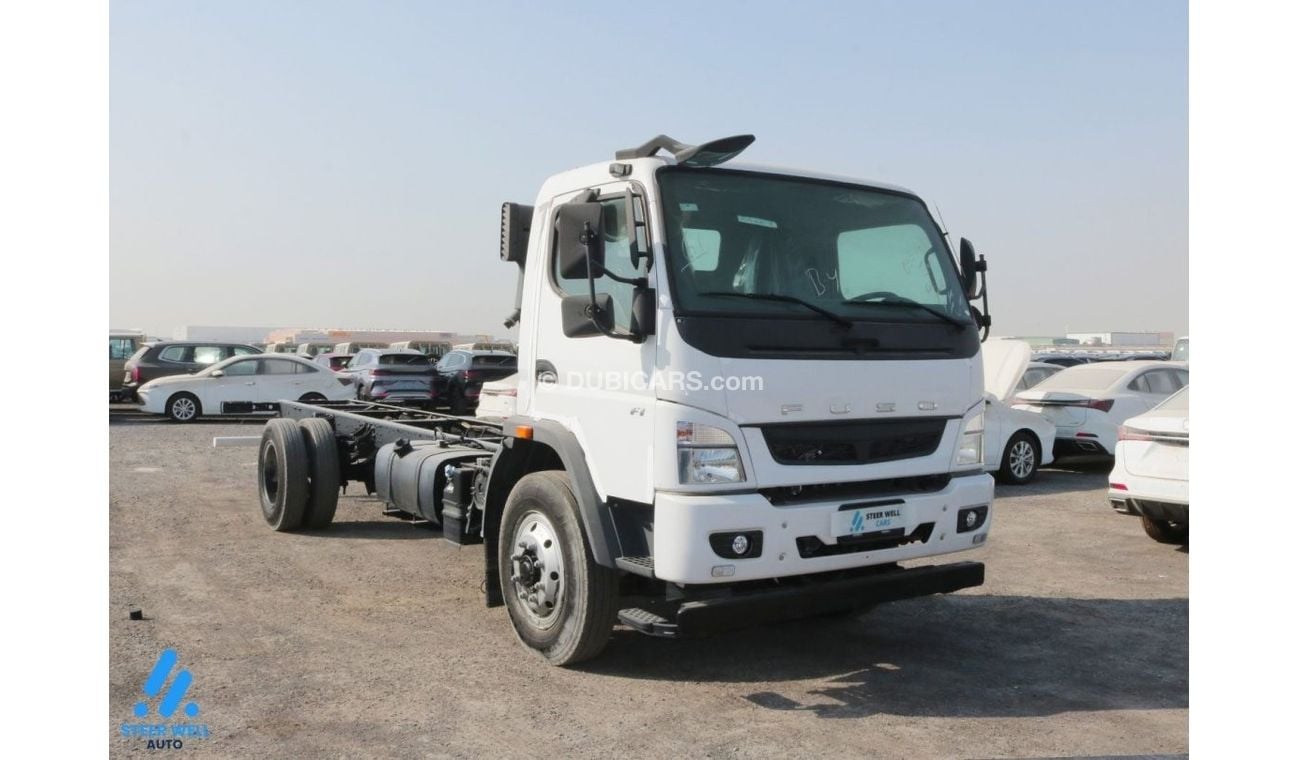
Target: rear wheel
[(282, 468), (312, 398), (1020, 459), (323, 473), (561, 603), (184, 407), (1164, 531)]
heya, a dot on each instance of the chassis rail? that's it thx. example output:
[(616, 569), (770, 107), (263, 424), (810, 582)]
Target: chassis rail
[(375, 424)]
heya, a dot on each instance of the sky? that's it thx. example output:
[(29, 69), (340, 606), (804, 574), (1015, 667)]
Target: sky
[(343, 164)]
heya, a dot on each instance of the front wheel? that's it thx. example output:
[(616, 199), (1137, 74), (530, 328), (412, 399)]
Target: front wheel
[(1019, 460), (561, 603), (184, 407)]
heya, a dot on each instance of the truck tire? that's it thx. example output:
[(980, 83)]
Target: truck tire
[(561, 603), (1164, 531), (184, 407), (323, 473), (1020, 459), (282, 474)]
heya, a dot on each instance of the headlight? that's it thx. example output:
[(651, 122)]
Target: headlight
[(707, 455), (970, 444)]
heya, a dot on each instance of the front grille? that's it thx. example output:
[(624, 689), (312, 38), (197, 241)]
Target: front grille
[(856, 442), (782, 495)]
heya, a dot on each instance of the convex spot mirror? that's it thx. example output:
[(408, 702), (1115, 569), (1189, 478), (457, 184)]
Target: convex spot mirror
[(580, 237), (581, 318)]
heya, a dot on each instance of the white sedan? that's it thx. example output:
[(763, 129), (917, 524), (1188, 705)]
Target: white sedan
[(1016, 443), (497, 399), (1150, 475), (243, 385), (1088, 402)]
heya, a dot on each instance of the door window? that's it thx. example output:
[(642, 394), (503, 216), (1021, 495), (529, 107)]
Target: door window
[(208, 355), (278, 367), (121, 348), (242, 368)]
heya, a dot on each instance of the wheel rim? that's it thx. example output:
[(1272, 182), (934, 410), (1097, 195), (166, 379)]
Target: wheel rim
[(537, 569), (270, 478), (183, 408), (1022, 459)]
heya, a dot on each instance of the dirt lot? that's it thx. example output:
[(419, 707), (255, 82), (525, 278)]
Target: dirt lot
[(372, 640)]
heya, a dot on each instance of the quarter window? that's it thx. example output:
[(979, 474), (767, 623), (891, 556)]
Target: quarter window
[(174, 354), (278, 367)]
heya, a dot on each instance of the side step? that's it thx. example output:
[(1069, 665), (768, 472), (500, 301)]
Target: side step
[(647, 622)]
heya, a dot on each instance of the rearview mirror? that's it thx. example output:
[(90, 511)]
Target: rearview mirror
[(970, 269), (580, 238), (218, 373)]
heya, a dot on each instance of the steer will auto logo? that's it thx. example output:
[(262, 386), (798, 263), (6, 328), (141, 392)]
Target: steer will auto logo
[(166, 734)]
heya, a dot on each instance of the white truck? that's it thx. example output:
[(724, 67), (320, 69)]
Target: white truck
[(745, 394)]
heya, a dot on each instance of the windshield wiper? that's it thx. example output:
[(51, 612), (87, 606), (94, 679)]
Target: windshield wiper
[(836, 318), (897, 300)]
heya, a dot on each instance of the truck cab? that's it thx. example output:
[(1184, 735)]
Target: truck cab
[(748, 374)]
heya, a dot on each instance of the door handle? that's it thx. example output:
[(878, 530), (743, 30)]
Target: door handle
[(251, 382)]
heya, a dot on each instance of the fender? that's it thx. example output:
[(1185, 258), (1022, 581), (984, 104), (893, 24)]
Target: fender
[(518, 457)]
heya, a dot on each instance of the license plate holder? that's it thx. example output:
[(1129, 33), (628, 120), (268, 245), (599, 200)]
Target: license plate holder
[(853, 521)]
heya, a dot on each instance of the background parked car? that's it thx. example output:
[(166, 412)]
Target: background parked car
[(335, 362), (1016, 442), (282, 347), (354, 346), (122, 345), (1150, 474), (166, 358), (434, 349), (392, 375), (312, 348), (497, 399), (461, 374), (1035, 373), (1088, 402), (243, 385)]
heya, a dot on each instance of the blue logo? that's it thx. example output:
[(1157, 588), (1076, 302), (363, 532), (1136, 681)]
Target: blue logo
[(858, 524), (153, 686)]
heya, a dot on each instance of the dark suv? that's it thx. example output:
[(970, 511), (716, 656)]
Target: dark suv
[(155, 360), (461, 375)]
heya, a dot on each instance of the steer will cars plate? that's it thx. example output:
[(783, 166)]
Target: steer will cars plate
[(852, 521)]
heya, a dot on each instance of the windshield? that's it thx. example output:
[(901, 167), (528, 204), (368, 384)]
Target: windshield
[(745, 242)]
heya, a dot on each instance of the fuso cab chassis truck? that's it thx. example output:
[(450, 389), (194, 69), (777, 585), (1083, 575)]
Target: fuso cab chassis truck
[(745, 394)]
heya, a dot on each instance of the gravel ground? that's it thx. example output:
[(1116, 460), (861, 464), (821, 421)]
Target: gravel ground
[(373, 640)]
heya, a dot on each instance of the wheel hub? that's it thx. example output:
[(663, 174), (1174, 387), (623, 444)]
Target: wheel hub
[(537, 567)]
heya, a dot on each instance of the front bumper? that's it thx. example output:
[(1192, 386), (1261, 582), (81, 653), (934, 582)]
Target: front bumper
[(810, 596), (799, 539)]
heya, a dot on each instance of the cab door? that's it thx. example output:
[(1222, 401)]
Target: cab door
[(598, 387)]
